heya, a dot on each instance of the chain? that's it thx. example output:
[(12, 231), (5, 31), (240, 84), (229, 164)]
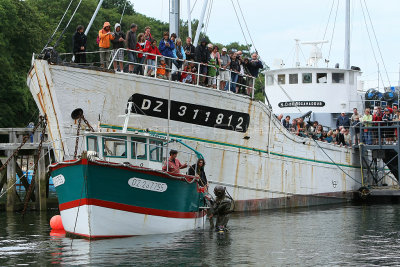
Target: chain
[(77, 136), (24, 140), (32, 185), (87, 123)]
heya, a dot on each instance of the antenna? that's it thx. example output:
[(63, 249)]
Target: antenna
[(297, 52), (316, 53)]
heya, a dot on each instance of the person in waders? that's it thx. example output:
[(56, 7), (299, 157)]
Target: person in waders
[(220, 208)]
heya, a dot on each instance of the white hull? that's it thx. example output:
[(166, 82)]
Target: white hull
[(116, 223), (261, 168)]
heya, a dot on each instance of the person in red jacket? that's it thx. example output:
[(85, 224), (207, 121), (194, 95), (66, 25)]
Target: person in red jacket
[(141, 45), (376, 117), (152, 51)]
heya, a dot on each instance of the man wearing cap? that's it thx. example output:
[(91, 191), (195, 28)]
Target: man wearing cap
[(105, 36), (224, 72), (202, 56), (174, 165), (131, 41), (343, 120)]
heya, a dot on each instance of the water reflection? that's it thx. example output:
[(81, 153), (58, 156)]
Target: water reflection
[(340, 235)]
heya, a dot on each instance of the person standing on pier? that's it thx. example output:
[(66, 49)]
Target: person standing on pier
[(343, 120), (366, 120), (79, 45)]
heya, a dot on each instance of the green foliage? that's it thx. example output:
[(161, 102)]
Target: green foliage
[(27, 26)]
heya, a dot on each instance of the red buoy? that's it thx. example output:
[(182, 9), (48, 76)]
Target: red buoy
[(56, 223)]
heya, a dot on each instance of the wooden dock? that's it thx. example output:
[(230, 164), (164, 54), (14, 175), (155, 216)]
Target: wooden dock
[(22, 162)]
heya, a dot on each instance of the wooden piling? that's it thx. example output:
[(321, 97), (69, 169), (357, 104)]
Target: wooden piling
[(11, 180), (40, 183)]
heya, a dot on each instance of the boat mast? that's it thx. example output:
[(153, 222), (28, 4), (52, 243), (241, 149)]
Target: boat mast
[(93, 17), (189, 19), (200, 25), (347, 37), (174, 17)]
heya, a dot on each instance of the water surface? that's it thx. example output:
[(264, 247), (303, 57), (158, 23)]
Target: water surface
[(329, 235)]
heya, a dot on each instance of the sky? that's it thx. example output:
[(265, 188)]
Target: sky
[(273, 26)]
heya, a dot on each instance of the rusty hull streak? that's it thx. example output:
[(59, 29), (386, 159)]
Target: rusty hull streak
[(235, 191), (54, 110), (42, 102)]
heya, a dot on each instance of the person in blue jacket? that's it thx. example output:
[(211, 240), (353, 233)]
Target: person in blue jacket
[(343, 120), (167, 48)]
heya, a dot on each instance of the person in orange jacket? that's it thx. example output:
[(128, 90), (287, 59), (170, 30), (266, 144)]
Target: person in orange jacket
[(105, 36)]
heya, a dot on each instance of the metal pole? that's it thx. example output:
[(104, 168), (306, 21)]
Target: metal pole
[(174, 17), (190, 21), (297, 52), (93, 17), (203, 12), (347, 37), (169, 117)]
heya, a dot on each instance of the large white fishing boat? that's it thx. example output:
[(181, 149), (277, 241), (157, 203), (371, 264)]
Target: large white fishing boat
[(248, 151)]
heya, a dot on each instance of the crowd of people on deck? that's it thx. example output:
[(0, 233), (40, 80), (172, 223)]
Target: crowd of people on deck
[(348, 130), (204, 65)]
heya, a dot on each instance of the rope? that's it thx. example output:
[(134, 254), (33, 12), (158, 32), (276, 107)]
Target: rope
[(52, 36), (370, 42), (247, 28), (72, 16), (241, 28), (191, 11), (377, 43), (323, 150), (208, 17)]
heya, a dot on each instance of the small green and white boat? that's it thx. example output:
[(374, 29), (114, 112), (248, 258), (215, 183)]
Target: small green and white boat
[(118, 189)]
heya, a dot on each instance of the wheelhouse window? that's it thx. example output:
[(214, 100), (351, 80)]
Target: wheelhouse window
[(270, 79), (322, 77), (155, 150), (293, 78), (114, 146), (139, 148), (307, 77), (281, 79), (92, 144), (337, 77)]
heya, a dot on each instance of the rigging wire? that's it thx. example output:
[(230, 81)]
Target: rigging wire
[(370, 41), (327, 23), (191, 11), (377, 43), (241, 28), (247, 28), (72, 16), (52, 36), (333, 30), (208, 17)]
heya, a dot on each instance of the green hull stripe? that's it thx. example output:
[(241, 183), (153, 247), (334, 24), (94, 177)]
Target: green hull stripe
[(227, 144)]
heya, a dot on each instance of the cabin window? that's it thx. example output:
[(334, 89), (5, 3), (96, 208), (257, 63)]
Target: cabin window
[(114, 146), (293, 78), (281, 78), (307, 77), (139, 148), (270, 79), (92, 143), (156, 150), (337, 77), (322, 77)]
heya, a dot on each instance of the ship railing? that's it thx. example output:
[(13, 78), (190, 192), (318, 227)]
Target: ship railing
[(230, 86), (379, 133), (171, 68)]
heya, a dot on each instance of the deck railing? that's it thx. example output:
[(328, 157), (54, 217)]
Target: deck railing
[(248, 84)]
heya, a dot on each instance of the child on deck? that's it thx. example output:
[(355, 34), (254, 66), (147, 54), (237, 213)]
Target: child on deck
[(212, 73), (152, 50), (161, 72), (187, 76)]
